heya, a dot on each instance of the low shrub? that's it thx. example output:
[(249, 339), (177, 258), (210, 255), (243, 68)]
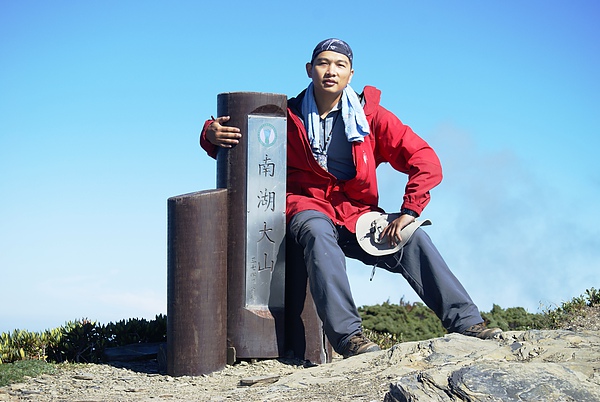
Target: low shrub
[(514, 319), (79, 341), (387, 323), (563, 314), (402, 322)]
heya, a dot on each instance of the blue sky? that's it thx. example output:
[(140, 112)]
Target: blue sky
[(101, 104)]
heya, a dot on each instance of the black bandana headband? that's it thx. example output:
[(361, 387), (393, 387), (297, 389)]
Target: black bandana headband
[(334, 45)]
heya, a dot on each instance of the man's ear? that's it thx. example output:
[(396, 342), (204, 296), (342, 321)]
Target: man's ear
[(351, 75), (309, 70)]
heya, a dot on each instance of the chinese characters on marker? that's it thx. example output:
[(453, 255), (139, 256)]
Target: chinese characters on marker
[(266, 191), (267, 167), (266, 199)]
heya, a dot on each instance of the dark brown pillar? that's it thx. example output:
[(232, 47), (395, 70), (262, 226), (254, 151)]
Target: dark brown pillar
[(253, 172), (197, 283)]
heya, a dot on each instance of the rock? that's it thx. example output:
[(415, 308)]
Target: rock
[(510, 381), (85, 376), (522, 366), (263, 379)]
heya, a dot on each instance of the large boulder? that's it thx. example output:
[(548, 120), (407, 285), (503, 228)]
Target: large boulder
[(518, 366), (521, 366)]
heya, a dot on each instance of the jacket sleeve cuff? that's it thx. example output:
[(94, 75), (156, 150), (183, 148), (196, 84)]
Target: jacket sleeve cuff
[(416, 209), (210, 148), (408, 211)]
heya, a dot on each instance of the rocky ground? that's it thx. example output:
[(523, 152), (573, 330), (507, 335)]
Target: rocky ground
[(563, 366)]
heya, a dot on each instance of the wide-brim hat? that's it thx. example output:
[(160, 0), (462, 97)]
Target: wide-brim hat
[(370, 225)]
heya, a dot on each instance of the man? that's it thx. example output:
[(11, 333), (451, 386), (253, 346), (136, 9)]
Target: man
[(336, 139)]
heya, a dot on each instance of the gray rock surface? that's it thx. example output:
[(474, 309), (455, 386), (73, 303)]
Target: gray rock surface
[(520, 366)]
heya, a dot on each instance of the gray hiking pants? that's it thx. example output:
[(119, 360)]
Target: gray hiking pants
[(325, 247)]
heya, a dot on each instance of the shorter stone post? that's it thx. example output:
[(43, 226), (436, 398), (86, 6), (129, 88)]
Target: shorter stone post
[(197, 283)]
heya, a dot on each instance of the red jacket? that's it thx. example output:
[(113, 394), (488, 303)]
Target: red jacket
[(311, 187)]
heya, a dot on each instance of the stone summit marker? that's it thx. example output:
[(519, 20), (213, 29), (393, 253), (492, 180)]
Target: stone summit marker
[(254, 174)]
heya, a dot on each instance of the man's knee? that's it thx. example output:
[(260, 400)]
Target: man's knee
[(311, 225)]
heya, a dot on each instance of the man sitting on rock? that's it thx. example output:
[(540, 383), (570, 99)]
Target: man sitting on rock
[(336, 139)]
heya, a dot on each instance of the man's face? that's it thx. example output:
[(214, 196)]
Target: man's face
[(330, 72)]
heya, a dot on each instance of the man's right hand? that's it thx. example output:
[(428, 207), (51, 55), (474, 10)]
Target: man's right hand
[(222, 136)]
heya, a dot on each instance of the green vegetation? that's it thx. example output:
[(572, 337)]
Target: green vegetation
[(387, 324), (573, 308), (402, 322), (79, 341), (515, 319), (15, 372), (24, 353)]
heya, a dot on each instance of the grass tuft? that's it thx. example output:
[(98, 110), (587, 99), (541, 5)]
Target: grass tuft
[(14, 372)]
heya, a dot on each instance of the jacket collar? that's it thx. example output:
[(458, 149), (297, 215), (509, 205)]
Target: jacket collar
[(372, 97)]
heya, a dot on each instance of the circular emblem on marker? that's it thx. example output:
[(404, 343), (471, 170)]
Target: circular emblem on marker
[(267, 135)]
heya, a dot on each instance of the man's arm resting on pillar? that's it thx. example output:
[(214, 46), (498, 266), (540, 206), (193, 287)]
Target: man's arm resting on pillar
[(214, 135)]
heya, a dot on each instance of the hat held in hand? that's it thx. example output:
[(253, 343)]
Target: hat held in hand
[(370, 226)]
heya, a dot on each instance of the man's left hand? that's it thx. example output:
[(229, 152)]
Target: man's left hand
[(392, 231)]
